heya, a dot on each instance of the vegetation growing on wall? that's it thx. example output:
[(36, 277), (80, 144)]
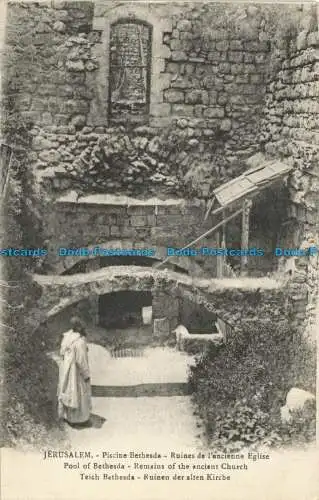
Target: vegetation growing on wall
[(239, 390), (28, 414)]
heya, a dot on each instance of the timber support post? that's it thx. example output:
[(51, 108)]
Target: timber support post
[(245, 236)]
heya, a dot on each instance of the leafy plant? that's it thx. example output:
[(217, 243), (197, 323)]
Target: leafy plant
[(238, 391)]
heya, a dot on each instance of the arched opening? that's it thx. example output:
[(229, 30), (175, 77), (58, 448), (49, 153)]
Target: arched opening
[(125, 319), (123, 309), (130, 71), (87, 265)]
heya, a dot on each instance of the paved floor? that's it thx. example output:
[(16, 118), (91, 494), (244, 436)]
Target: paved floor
[(159, 364), (155, 424), (139, 422)]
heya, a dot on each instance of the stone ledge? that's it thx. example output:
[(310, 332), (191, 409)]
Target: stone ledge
[(108, 199)]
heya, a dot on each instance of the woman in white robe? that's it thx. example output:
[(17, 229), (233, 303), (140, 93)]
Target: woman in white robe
[(74, 391)]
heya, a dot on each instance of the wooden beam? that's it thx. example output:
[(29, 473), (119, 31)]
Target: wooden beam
[(245, 236), (223, 244), (210, 205), (219, 260)]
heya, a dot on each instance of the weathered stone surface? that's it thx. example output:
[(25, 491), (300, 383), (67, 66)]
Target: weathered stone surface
[(173, 96), (297, 400), (214, 112), (225, 125), (75, 66), (59, 26)]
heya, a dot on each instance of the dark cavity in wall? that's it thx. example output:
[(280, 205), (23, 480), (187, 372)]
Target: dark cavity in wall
[(196, 318), (268, 216), (123, 309)]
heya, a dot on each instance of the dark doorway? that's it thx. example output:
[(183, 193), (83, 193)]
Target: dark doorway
[(123, 309), (196, 317), (267, 216)]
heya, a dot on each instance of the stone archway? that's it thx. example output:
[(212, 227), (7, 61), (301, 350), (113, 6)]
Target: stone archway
[(233, 301), (188, 265)]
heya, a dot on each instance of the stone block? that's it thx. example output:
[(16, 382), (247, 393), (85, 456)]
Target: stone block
[(260, 58), (198, 110), (214, 112), (176, 44), (175, 33), (226, 125), (235, 57), (174, 96), (313, 39), (184, 25), (160, 122), (115, 231), (222, 99), (212, 96), (142, 220), (256, 78), (128, 232), (238, 100), (209, 82), (47, 119), (59, 26), (194, 97), (75, 66), (229, 78), (224, 67), (50, 156), (249, 58), (178, 55), (61, 119), (183, 109), (253, 46), (184, 82), (172, 67), (242, 79), (222, 46), (237, 69), (236, 45), (78, 121), (161, 328), (158, 110)]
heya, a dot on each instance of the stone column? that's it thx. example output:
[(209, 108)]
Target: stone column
[(166, 306)]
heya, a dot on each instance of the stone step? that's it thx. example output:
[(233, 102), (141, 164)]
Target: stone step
[(141, 390)]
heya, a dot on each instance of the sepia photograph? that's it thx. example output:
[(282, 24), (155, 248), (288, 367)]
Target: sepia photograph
[(159, 309)]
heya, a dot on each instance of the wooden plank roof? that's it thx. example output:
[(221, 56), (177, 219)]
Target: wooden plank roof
[(251, 182)]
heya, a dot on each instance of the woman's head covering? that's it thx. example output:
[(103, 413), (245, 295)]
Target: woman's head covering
[(77, 325)]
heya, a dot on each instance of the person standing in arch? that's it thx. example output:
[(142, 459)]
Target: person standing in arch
[(74, 390)]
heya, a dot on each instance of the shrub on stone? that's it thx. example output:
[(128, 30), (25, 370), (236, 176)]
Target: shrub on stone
[(239, 390)]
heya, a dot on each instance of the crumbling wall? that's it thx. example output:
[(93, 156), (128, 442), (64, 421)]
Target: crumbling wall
[(291, 111), (290, 131), (209, 63), (155, 226)]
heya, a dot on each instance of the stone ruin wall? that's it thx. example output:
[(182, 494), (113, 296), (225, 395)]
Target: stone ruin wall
[(291, 132), (242, 306), (131, 226), (207, 89), (250, 85)]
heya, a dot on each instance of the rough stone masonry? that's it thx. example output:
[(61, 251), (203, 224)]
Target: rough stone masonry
[(223, 82)]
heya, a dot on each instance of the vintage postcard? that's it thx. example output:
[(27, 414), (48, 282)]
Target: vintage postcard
[(159, 250)]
